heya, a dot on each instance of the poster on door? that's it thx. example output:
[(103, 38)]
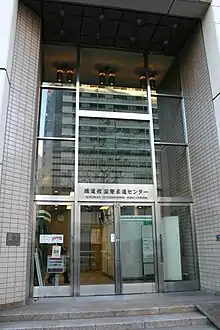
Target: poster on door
[(56, 251)]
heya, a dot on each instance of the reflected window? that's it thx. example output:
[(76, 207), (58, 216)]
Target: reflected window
[(114, 151), (57, 115), (59, 65), (55, 167), (110, 81)]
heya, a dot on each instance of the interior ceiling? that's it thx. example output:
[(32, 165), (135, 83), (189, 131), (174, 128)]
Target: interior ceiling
[(96, 26)]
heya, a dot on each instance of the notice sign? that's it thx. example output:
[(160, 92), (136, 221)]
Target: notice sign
[(112, 192), (56, 251), (55, 265), (51, 239)]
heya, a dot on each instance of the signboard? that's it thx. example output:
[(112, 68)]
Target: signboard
[(51, 239), (56, 251), (115, 192), (55, 265)]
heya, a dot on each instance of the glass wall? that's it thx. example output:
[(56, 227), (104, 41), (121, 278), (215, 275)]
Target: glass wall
[(112, 81), (103, 118), (137, 251), (114, 151), (52, 246)]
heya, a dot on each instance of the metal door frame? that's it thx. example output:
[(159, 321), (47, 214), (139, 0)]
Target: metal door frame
[(118, 287), (52, 291)]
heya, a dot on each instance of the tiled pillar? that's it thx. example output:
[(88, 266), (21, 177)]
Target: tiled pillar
[(8, 15), (204, 156), (16, 190)]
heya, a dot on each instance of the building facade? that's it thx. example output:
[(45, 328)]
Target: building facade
[(110, 160)]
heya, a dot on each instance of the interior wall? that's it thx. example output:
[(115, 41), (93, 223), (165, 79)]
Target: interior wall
[(204, 157), (17, 195)]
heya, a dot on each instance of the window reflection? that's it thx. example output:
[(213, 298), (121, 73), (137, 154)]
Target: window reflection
[(114, 151)]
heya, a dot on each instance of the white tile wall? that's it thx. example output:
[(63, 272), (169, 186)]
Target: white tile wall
[(204, 157), (16, 194)]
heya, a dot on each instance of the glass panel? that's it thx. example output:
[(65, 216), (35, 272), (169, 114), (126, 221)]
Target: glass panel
[(57, 113), (112, 81), (55, 167), (172, 171), (52, 249), (136, 237), (164, 74), (167, 119), (59, 65), (97, 253), (114, 151), (177, 243)]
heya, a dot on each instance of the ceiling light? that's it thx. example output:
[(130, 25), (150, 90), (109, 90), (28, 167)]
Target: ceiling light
[(111, 79), (165, 42), (101, 78), (142, 82), (152, 82), (59, 75), (69, 76), (56, 191)]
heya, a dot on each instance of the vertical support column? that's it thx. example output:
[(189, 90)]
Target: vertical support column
[(118, 274), (8, 19), (158, 263), (21, 27), (75, 267)]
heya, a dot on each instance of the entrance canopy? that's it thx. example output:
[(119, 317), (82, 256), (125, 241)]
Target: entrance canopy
[(159, 30)]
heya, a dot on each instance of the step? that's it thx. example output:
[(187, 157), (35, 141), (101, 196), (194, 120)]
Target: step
[(114, 323), (46, 314)]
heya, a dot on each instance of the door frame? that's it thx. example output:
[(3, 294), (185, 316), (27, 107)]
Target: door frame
[(52, 291), (118, 287)]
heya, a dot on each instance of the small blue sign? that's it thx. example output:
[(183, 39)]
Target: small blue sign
[(218, 237)]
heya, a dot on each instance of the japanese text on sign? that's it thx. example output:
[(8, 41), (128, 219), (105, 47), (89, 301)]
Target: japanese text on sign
[(116, 192)]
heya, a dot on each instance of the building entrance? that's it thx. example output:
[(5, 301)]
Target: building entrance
[(116, 249)]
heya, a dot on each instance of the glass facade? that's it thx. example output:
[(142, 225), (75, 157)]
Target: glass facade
[(114, 151), (108, 124)]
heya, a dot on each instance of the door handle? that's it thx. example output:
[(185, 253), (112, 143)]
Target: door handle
[(161, 249)]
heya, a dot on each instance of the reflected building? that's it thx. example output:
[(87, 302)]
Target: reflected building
[(109, 151)]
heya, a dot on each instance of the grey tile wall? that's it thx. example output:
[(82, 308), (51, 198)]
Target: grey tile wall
[(204, 157), (16, 192)]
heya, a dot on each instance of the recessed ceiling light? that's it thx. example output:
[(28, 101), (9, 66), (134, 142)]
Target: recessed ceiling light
[(166, 42), (56, 191)]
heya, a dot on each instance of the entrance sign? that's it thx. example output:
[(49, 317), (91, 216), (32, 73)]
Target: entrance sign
[(51, 239), (94, 192)]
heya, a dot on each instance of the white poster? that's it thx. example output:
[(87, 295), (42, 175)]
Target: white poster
[(56, 251), (51, 239)]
